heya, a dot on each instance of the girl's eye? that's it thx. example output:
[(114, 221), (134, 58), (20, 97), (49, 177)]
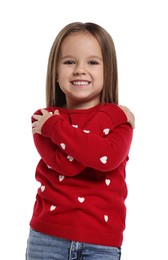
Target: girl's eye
[(93, 62), (69, 62)]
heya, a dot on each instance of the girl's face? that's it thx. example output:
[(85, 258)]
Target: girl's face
[(80, 71)]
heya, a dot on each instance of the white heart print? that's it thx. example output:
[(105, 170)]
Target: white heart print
[(106, 131), (76, 126), (103, 159), (86, 131), (107, 181), (61, 177), (70, 158), (52, 207), (106, 218), (63, 146), (42, 188), (81, 199)]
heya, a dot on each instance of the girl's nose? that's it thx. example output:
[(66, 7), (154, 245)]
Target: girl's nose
[(79, 70)]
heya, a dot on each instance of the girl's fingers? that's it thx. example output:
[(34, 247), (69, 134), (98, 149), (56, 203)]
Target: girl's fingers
[(34, 124), (56, 112), (45, 112), (37, 117), (129, 115)]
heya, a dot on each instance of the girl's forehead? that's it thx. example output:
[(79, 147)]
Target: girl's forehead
[(79, 36), (80, 40)]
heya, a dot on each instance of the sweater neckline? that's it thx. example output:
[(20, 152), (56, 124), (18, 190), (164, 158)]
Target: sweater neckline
[(82, 111)]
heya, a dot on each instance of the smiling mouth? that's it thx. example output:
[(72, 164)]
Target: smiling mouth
[(80, 83)]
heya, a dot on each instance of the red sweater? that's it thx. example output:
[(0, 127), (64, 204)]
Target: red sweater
[(82, 175)]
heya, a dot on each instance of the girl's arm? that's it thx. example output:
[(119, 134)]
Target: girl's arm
[(41, 116), (56, 155), (55, 158), (103, 153), (51, 153)]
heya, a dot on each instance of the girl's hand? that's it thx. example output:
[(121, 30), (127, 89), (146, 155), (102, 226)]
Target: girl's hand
[(129, 115), (41, 119)]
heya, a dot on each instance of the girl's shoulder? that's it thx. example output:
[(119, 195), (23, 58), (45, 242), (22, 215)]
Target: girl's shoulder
[(112, 109), (114, 112)]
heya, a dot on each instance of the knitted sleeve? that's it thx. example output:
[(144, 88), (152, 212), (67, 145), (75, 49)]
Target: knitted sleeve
[(103, 153), (55, 157)]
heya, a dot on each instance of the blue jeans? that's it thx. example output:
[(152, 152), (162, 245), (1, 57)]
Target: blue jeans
[(44, 247)]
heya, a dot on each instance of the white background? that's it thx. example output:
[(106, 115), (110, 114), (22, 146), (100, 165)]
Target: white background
[(139, 29)]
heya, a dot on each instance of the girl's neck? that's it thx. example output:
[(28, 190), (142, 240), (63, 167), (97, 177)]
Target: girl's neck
[(80, 106)]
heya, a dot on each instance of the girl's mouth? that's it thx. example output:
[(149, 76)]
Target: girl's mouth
[(80, 83)]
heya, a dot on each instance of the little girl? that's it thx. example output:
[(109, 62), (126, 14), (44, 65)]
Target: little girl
[(83, 137)]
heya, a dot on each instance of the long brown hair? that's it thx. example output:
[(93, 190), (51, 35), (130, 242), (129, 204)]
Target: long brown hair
[(54, 94)]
